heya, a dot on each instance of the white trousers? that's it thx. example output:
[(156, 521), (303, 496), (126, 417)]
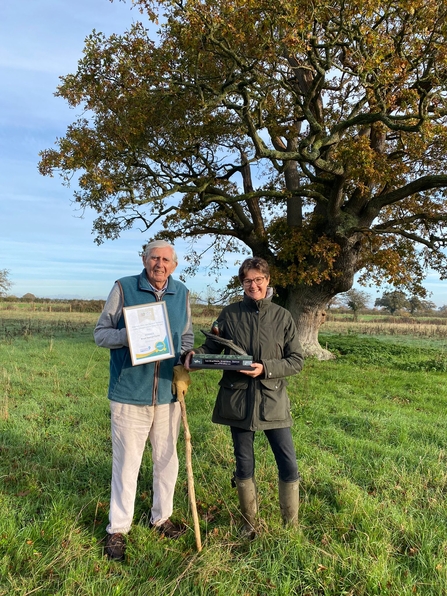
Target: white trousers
[(131, 426)]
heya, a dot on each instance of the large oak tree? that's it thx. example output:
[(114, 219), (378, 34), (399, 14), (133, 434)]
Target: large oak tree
[(311, 133)]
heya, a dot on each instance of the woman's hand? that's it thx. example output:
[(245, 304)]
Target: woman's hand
[(256, 370)]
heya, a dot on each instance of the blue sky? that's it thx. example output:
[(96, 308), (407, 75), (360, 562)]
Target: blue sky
[(47, 248)]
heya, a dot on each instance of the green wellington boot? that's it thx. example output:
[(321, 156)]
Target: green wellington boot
[(248, 502), (289, 496)]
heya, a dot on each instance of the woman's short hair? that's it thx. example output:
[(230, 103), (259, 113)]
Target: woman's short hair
[(159, 244), (257, 263)]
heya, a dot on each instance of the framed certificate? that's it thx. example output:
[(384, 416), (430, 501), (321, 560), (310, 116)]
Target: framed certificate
[(148, 332)]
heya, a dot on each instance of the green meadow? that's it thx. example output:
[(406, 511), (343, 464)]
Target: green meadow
[(371, 436)]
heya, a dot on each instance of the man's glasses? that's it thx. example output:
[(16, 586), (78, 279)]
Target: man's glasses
[(257, 280)]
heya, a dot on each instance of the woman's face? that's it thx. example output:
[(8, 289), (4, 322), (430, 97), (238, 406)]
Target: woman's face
[(255, 284)]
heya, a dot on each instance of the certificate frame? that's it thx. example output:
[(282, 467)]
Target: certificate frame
[(148, 332)]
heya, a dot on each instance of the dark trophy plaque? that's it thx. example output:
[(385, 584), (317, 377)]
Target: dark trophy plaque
[(238, 361), (221, 361)]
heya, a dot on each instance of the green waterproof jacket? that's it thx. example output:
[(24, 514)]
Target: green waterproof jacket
[(267, 332)]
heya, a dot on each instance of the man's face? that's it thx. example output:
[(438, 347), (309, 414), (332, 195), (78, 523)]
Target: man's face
[(159, 265)]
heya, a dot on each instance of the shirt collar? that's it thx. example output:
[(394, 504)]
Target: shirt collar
[(158, 292)]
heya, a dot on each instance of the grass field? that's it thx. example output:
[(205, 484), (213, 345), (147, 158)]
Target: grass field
[(371, 436)]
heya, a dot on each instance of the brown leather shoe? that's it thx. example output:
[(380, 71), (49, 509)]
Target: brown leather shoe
[(170, 530), (115, 547)]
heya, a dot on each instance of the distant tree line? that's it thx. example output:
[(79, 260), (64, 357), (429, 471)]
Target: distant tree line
[(393, 302), (54, 304), (355, 300)]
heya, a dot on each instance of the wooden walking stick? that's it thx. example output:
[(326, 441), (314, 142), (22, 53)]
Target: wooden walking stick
[(189, 472)]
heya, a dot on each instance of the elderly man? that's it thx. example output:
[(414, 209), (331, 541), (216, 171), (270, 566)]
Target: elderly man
[(142, 398)]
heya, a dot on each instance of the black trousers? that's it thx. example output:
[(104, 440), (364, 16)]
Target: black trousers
[(281, 442)]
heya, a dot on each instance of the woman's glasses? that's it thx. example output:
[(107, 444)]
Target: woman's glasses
[(257, 280)]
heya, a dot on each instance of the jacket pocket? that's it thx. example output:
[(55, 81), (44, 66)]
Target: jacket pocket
[(232, 399), (275, 404)]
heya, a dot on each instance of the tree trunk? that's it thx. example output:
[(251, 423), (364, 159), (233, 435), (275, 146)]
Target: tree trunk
[(308, 302), (308, 308)]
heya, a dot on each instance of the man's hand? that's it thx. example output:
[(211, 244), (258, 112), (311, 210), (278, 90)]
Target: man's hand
[(189, 355), (180, 381)]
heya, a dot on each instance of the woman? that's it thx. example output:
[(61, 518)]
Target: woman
[(256, 399)]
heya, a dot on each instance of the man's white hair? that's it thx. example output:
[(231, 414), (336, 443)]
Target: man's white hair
[(159, 244)]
